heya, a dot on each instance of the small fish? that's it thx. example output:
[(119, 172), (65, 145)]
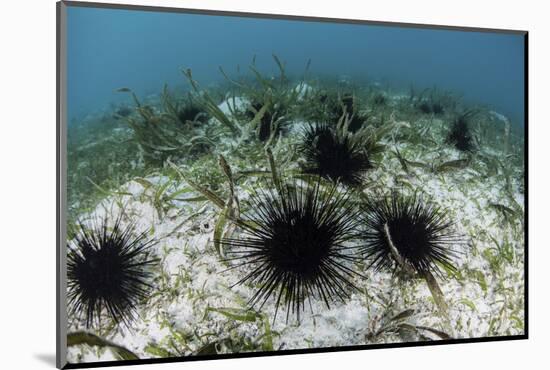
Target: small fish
[(452, 165), (155, 120), (122, 112)]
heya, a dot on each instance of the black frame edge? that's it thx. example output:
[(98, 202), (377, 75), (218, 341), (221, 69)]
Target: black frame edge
[(61, 304), (58, 361), (290, 352), (526, 182)]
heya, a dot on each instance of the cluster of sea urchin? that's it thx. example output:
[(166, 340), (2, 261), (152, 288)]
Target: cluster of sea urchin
[(296, 246), (333, 155), (108, 271), (405, 228)]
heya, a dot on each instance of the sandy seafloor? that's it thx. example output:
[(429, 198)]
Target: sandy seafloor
[(484, 301)]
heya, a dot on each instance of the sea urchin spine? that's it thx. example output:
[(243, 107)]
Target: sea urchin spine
[(108, 271), (296, 246)]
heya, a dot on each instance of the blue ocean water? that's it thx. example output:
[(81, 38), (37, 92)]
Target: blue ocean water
[(143, 50)]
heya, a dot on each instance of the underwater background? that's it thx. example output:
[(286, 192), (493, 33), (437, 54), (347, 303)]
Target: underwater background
[(110, 48), (242, 185)]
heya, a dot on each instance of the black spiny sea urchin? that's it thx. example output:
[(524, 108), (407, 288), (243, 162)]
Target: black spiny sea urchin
[(296, 246), (108, 270), (420, 233), (333, 155), (460, 135), (192, 112)]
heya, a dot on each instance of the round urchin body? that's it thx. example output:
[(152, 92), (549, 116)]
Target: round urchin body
[(333, 156), (296, 246), (108, 271), (405, 230)]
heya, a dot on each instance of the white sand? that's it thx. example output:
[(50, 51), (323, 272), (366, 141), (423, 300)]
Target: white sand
[(194, 278)]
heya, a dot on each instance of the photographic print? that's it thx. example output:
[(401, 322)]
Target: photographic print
[(244, 184)]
